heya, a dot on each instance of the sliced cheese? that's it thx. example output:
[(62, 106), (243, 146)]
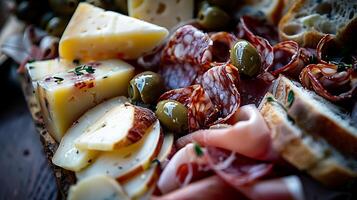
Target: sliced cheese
[(142, 182), (127, 161), (121, 126), (65, 96), (70, 157), (97, 188), (167, 13), (94, 33)]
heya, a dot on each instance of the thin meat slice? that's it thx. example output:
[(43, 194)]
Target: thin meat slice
[(235, 169), (210, 188), (184, 57), (260, 43), (170, 179), (249, 136), (220, 84)]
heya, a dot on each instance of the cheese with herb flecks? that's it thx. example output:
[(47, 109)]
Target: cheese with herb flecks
[(39, 69), (65, 96), (167, 13), (94, 33)]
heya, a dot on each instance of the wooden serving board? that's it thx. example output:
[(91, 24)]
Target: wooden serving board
[(64, 178)]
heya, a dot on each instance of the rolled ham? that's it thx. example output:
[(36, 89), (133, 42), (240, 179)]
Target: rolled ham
[(249, 136)]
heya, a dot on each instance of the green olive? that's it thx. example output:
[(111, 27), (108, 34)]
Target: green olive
[(146, 87), (56, 26), (212, 18), (64, 7), (246, 58), (172, 115)]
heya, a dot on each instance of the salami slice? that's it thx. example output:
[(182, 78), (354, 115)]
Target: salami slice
[(185, 56), (201, 110), (222, 44), (187, 44), (321, 76), (287, 59), (220, 84), (261, 44), (200, 107), (236, 169)]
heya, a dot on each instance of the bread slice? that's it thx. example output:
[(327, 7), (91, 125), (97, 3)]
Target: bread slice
[(272, 9), (317, 116), (308, 21), (305, 151)]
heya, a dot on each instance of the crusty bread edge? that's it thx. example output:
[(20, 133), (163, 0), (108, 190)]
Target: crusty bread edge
[(312, 120), (295, 151), (305, 39)]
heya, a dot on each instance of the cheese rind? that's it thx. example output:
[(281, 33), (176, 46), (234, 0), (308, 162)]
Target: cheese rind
[(94, 33), (166, 13), (67, 155), (97, 188), (65, 96)]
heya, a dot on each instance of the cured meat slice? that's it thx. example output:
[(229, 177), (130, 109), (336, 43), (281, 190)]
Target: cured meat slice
[(287, 59), (212, 101), (336, 81), (250, 136), (184, 57), (223, 42), (187, 45), (261, 44), (234, 168), (220, 84)]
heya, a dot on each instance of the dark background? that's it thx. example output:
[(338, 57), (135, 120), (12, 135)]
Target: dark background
[(24, 169)]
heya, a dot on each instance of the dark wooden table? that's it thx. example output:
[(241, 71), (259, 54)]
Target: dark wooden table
[(24, 169)]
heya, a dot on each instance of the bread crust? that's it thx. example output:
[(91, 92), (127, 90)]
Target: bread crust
[(288, 141), (305, 39), (312, 120)]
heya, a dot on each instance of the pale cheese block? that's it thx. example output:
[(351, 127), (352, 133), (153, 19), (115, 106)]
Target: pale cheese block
[(127, 161), (144, 181), (65, 96), (167, 13), (67, 155), (94, 34), (40, 69), (97, 188)]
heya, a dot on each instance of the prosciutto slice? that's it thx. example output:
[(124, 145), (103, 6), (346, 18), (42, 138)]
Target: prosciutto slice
[(249, 136)]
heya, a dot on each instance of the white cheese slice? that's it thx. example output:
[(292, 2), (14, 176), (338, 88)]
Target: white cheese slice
[(94, 33), (142, 182), (97, 188), (126, 162), (167, 13), (70, 157), (65, 96), (116, 129)]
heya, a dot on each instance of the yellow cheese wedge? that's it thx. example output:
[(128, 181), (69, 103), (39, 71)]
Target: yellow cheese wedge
[(97, 188), (94, 33), (65, 96), (126, 162), (166, 13), (67, 155)]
